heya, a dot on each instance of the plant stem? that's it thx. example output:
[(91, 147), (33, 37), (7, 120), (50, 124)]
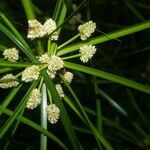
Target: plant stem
[(39, 47), (50, 97), (44, 117), (49, 47), (110, 36), (70, 57), (68, 42), (27, 4)]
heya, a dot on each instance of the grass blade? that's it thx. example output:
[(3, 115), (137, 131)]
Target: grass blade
[(17, 64), (17, 111), (109, 76), (110, 36), (97, 135), (64, 115), (28, 7), (35, 126), (9, 24), (10, 97), (25, 49)]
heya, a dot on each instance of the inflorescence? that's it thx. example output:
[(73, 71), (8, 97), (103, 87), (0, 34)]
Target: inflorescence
[(53, 64)]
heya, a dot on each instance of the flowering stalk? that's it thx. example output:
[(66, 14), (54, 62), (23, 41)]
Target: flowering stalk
[(69, 41), (44, 117), (70, 57)]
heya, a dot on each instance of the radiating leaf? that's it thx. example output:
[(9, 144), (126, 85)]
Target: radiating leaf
[(109, 76), (35, 126)]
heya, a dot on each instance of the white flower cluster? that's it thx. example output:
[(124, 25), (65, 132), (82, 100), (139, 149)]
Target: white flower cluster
[(34, 99), (86, 30), (37, 30), (31, 73), (44, 58), (68, 76), (87, 52), (8, 81), (48, 27), (60, 90), (54, 62), (11, 54), (53, 113)]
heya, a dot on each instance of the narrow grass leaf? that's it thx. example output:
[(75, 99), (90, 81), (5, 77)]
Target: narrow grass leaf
[(28, 8), (17, 111), (10, 96), (109, 76), (25, 49), (35, 126), (64, 115), (110, 36), (14, 30), (17, 64)]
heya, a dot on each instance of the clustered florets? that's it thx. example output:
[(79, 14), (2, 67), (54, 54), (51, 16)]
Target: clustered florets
[(11, 54), (8, 81), (52, 63), (31, 73), (44, 58), (37, 30), (34, 99), (86, 30), (53, 113), (87, 52), (68, 76), (60, 90)]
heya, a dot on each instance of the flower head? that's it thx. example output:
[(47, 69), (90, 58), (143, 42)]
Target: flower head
[(54, 36), (55, 63), (8, 81), (86, 30), (87, 52), (60, 90), (31, 73), (44, 58), (53, 113), (34, 99), (11, 54), (51, 74), (35, 29), (48, 27), (68, 76)]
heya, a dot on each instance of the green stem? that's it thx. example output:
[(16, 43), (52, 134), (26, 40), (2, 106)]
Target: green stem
[(41, 83), (35, 126), (44, 117), (108, 76), (49, 47), (110, 36), (68, 42), (57, 10), (50, 97), (70, 57), (28, 8), (39, 48)]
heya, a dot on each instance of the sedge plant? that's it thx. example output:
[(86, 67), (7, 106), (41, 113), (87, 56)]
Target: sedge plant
[(46, 67)]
